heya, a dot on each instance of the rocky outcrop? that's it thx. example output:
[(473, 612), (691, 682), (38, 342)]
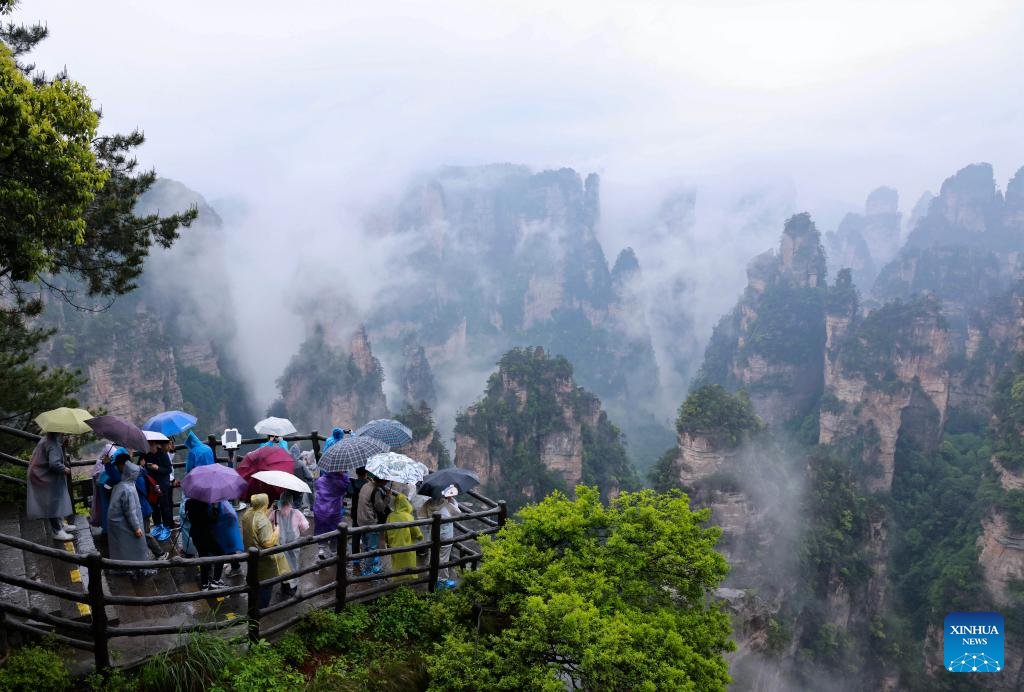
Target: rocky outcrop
[(417, 379), (325, 386), (865, 242), (771, 345), (535, 430)]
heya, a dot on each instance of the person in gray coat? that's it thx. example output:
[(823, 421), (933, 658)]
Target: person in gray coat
[(127, 539), (48, 496)]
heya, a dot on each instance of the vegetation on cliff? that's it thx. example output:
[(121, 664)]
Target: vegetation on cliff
[(531, 396), (420, 420)]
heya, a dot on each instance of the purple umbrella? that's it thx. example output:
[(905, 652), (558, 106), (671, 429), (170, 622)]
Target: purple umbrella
[(119, 431), (213, 483)]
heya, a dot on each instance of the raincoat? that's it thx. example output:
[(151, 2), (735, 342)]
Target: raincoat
[(125, 518), (402, 537), (199, 454), (257, 532), (229, 536), (337, 435), (282, 443), (327, 508), (48, 481), (290, 524)]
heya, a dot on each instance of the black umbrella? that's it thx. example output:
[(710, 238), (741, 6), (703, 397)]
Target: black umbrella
[(435, 483), (119, 431)]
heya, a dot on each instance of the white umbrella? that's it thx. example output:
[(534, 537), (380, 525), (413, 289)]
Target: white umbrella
[(154, 436), (282, 479), (392, 466), (275, 426)]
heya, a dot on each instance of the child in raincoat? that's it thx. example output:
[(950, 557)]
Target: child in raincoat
[(402, 537), (124, 521), (290, 524)]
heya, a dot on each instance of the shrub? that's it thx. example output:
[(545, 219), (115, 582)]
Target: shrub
[(399, 616), (190, 668), (293, 648), (264, 668), (321, 629), (35, 668)]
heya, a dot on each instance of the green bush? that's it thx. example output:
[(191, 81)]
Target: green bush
[(399, 616), (35, 668), (199, 660), (322, 629), (293, 648), (264, 668)]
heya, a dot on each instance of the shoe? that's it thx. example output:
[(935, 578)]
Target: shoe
[(321, 555), (450, 583), (68, 527), (376, 569), (217, 584), (63, 535), (165, 533), (205, 587), (157, 530), (162, 556)]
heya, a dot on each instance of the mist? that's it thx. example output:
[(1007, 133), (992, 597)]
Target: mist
[(304, 124)]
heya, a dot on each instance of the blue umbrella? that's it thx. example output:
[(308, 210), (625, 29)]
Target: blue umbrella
[(390, 432), (170, 422)]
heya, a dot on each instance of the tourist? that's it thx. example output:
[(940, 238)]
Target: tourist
[(328, 509), (303, 472), (404, 536), (158, 466), (276, 440), (290, 524), (355, 485), (257, 532), (229, 534), (124, 521), (202, 519), (372, 508), (448, 507), (97, 518), (146, 488), (337, 435), (47, 486), (199, 454)]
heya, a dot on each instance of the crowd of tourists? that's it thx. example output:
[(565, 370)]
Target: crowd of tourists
[(133, 515)]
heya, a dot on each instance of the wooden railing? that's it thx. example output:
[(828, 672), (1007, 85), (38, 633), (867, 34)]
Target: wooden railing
[(94, 635)]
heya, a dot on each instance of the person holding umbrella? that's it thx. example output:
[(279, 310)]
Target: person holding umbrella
[(373, 509), (448, 507), (202, 518), (290, 524), (275, 429), (158, 464), (328, 509), (47, 486)]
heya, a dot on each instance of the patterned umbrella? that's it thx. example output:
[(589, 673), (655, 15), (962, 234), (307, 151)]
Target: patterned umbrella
[(392, 466), (350, 454), (170, 422), (390, 432)]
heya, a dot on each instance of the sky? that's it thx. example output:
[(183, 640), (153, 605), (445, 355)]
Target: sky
[(307, 114)]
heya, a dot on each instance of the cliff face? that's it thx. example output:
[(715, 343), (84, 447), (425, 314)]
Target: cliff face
[(417, 379), (535, 431), (865, 242), (427, 446), (326, 386), (162, 346), (770, 344), (506, 257)]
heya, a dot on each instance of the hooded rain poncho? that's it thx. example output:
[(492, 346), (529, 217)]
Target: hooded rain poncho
[(125, 518), (402, 537), (199, 454), (48, 496), (290, 524), (337, 435), (327, 508), (229, 535), (257, 532)]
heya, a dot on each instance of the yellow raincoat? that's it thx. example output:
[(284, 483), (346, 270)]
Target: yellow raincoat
[(399, 537), (258, 532)]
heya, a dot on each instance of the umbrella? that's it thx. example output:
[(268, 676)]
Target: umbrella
[(120, 431), (350, 454), (212, 483), (155, 436), (270, 458), (70, 421), (170, 422), (278, 427), (392, 466), (390, 432), (435, 484), (282, 479)]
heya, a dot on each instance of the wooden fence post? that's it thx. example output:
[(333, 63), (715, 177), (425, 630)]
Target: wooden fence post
[(341, 577), (314, 437), (252, 580), (98, 606), (435, 550), (502, 512)]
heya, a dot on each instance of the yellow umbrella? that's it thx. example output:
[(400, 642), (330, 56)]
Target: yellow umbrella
[(66, 420)]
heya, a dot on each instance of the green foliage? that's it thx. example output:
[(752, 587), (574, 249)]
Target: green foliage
[(837, 517), (525, 400), (399, 616), (713, 412), (611, 597), (292, 648), (263, 668), (421, 421), (790, 324), (198, 661), (324, 628), (35, 667), (1008, 412), (664, 475)]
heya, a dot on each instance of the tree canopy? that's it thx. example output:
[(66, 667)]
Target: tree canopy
[(587, 596)]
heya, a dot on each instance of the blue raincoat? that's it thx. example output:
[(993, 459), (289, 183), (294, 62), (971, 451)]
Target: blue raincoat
[(199, 454), (282, 443), (337, 435), (227, 531)]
